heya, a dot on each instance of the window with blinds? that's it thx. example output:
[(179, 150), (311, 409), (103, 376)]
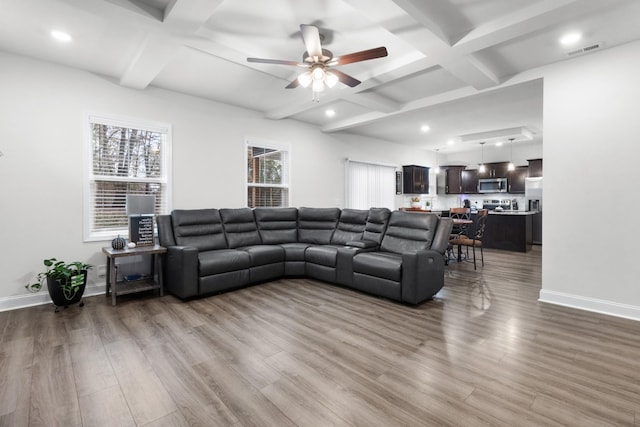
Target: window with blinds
[(124, 157), (370, 185), (267, 175)]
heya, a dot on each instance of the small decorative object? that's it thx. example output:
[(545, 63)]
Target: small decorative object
[(415, 202), (131, 245), (118, 243), (65, 282), (427, 204)]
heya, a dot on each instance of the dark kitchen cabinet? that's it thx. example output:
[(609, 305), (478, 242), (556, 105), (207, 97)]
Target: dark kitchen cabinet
[(469, 178), (516, 179), (415, 179), (495, 170), (535, 168), (449, 180)]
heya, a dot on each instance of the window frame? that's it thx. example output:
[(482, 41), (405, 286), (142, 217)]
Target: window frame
[(255, 142), (90, 235)]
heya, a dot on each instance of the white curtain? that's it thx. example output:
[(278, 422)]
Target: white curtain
[(370, 185)]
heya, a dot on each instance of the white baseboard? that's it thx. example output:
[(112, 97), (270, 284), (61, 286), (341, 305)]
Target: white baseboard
[(591, 304), (42, 297)]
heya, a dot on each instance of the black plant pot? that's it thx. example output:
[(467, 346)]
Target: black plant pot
[(64, 298)]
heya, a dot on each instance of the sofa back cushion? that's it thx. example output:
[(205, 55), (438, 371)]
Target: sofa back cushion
[(409, 232), (316, 225), (350, 226), (201, 228), (377, 222), (240, 227), (277, 225)]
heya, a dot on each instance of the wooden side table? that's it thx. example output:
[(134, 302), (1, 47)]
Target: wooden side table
[(131, 286)]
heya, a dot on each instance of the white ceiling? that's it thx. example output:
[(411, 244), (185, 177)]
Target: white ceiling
[(451, 62)]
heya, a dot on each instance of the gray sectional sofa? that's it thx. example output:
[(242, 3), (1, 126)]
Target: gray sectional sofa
[(396, 255)]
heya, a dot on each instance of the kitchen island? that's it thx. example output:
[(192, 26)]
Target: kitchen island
[(509, 230)]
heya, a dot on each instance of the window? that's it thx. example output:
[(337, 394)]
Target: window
[(267, 175), (370, 185), (123, 156)]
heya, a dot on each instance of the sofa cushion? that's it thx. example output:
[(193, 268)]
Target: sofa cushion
[(350, 226), (323, 255), (200, 228), (222, 261), (264, 254), (377, 222), (386, 265), (316, 225), (277, 225), (240, 227), (409, 232), (294, 251)]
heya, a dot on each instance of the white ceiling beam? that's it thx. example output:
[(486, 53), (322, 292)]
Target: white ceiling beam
[(525, 21), (440, 17), (375, 102), (152, 56), (159, 48)]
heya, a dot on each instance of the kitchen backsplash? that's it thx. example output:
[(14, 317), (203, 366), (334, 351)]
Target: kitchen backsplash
[(444, 202)]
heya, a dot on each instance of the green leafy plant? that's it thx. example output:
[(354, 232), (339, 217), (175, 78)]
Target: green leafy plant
[(70, 276)]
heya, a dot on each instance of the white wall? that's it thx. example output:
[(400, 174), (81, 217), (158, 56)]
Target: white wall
[(41, 112), (591, 144)]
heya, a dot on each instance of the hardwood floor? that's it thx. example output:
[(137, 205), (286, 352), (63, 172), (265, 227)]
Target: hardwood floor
[(301, 352)]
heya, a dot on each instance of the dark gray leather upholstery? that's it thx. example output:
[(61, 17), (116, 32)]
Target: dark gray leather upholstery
[(240, 227), (316, 225), (199, 228), (396, 255), (277, 225)]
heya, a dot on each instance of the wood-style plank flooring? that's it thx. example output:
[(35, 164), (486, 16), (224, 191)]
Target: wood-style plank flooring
[(301, 352)]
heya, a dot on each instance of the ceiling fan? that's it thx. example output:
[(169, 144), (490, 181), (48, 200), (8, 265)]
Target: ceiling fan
[(319, 63)]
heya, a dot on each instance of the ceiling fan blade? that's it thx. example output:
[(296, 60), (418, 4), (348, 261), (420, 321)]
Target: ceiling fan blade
[(345, 78), (363, 55), (311, 38), (275, 61), (294, 84)]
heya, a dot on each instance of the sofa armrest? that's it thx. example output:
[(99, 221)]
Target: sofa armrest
[(422, 275), (182, 271), (362, 244)]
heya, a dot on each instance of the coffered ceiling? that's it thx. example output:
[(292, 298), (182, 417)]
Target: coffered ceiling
[(454, 65)]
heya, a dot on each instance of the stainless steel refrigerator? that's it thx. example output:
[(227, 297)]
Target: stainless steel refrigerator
[(533, 195)]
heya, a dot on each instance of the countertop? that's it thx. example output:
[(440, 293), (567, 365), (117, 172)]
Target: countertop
[(506, 212)]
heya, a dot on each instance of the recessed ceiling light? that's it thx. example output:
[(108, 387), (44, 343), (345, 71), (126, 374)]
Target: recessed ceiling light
[(450, 142), (61, 36), (425, 128), (570, 38), (330, 113), (499, 144)]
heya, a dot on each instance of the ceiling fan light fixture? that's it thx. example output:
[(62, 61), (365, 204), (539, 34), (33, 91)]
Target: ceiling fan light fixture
[(317, 86), (330, 79), (305, 79), (318, 73)]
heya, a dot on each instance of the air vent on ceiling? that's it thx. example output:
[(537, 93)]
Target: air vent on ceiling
[(585, 49)]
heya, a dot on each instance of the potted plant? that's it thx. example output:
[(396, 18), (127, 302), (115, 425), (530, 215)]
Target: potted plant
[(65, 281), (415, 202)]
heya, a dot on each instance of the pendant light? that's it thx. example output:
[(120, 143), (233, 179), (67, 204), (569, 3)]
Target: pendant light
[(511, 166), (483, 168), (437, 168)]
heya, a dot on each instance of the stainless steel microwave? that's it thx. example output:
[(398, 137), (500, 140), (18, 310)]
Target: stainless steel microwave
[(492, 185)]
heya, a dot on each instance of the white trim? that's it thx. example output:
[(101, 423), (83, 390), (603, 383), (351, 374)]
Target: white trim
[(42, 297), (591, 304), (87, 175), (389, 165), (253, 141)]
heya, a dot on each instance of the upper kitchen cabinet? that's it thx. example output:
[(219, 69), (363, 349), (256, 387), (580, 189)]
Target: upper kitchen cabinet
[(449, 180), (469, 181), (415, 179), (495, 170), (516, 179), (535, 168)]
